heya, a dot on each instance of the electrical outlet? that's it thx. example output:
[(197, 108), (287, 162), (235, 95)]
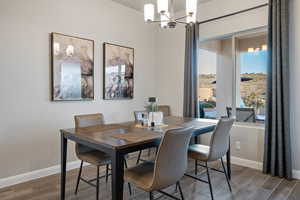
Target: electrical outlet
[(238, 145)]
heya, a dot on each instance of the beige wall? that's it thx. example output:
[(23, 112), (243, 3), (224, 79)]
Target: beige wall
[(250, 138), (215, 8), (30, 122)]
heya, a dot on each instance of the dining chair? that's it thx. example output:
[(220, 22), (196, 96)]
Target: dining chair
[(219, 146), (164, 172), (138, 115), (243, 114), (89, 155), (165, 109)]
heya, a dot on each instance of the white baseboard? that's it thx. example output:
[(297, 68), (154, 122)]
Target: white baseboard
[(257, 165), (296, 174), (21, 178), (246, 163)]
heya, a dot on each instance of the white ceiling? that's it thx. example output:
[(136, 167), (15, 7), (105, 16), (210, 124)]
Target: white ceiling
[(139, 4)]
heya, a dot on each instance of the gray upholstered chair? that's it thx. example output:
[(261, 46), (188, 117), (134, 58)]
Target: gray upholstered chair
[(164, 172), (165, 109), (91, 156), (243, 114), (219, 146)]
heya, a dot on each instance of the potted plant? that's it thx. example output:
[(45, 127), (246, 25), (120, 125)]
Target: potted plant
[(155, 117)]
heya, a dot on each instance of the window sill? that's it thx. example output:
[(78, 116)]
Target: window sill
[(238, 124)]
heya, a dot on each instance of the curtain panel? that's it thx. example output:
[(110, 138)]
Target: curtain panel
[(190, 99), (277, 154)]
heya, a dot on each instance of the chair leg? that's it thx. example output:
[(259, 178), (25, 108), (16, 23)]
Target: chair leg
[(149, 152), (151, 196), (107, 171), (97, 185), (125, 163), (129, 185), (139, 157), (209, 181), (196, 167), (180, 190), (78, 178), (226, 175), (129, 188)]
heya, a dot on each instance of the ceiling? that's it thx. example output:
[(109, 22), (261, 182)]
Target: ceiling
[(139, 4)]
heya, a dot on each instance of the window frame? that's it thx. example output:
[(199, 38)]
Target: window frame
[(234, 37)]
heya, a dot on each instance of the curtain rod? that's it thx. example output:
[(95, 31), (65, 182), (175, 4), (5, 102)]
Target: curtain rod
[(231, 14)]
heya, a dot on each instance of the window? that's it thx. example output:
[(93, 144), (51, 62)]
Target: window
[(252, 68), (207, 83), (215, 77), (233, 77)]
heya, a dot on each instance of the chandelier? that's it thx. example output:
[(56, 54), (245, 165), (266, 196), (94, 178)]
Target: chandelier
[(167, 19)]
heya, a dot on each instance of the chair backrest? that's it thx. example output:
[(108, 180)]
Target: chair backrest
[(243, 114), (219, 143), (82, 121), (171, 161), (165, 109), (88, 120), (138, 115)]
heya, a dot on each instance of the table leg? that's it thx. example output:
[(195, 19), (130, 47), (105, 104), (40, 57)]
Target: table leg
[(117, 175), (64, 145), (228, 163)]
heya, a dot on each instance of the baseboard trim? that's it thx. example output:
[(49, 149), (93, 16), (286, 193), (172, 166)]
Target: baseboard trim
[(296, 174), (21, 178), (246, 163), (257, 165)]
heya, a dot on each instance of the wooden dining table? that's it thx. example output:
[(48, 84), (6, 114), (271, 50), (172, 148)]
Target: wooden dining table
[(117, 140)]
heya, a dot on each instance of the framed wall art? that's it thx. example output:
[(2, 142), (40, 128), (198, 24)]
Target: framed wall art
[(72, 68), (118, 72)]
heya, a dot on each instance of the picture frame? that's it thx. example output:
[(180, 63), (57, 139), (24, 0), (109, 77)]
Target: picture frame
[(118, 72), (72, 68)]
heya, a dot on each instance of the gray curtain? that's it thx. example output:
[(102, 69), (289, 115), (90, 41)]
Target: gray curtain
[(190, 99), (277, 156)]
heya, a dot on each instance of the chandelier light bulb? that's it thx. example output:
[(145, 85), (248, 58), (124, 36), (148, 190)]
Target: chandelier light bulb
[(164, 18), (191, 19), (162, 6), (191, 10), (167, 17), (149, 12)]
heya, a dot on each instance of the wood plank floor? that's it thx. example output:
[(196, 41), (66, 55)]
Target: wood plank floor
[(247, 184)]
